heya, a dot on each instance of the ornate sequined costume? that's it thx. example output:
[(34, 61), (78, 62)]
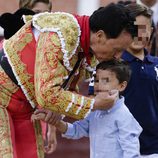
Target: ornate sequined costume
[(56, 50), (19, 137), (41, 66)]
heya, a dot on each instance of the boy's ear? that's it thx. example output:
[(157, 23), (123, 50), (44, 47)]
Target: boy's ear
[(122, 86)]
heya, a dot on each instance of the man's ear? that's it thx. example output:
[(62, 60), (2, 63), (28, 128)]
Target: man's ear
[(101, 36)]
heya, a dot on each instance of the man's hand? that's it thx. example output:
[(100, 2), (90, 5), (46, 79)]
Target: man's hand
[(51, 143), (50, 117), (105, 100)]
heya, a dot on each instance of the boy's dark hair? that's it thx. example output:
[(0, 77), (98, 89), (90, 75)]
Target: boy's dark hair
[(119, 67), (113, 19), (136, 10)]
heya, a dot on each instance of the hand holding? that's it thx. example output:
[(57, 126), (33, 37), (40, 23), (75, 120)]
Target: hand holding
[(50, 117), (105, 100)]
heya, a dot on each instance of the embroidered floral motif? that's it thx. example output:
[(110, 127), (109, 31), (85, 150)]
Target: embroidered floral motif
[(6, 150), (39, 139), (7, 88), (50, 73), (51, 67), (13, 48), (59, 23), (27, 18)]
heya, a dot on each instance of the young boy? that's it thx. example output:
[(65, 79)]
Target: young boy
[(141, 94), (113, 133)]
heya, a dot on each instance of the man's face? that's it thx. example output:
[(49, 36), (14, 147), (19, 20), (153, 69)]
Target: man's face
[(144, 33), (107, 48), (105, 81)]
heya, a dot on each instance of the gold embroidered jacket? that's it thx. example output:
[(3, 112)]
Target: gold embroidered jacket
[(56, 52)]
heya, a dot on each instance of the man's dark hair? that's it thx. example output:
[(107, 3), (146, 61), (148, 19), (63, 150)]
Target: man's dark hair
[(113, 19), (119, 67)]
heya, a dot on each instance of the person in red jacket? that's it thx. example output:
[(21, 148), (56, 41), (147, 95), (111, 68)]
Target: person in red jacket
[(19, 133)]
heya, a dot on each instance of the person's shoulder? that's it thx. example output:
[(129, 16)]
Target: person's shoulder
[(66, 28), (54, 21), (124, 112), (153, 58)]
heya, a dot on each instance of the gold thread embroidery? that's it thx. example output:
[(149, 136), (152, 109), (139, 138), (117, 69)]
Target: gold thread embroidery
[(39, 139), (13, 48), (7, 88), (49, 77), (6, 150), (61, 21)]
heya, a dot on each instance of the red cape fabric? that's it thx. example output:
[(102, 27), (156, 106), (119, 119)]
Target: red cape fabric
[(85, 35)]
